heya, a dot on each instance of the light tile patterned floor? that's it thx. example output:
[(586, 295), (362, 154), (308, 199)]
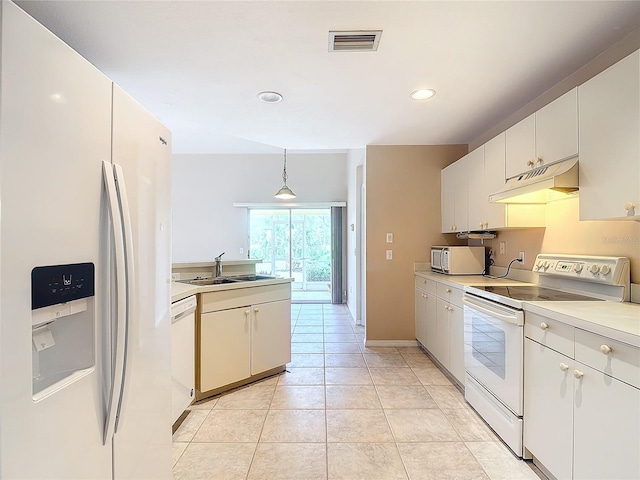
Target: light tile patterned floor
[(342, 411)]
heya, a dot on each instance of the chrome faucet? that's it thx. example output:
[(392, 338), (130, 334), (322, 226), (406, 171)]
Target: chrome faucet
[(218, 266)]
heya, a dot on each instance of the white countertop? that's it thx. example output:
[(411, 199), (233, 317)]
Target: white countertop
[(617, 320), (467, 280), (183, 290)]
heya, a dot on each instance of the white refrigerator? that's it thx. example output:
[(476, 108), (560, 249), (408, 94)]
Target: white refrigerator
[(85, 367)]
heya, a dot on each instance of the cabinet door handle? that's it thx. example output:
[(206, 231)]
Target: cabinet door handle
[(247, 312), (540, 161), (530, 163), (564, 367), (448, 290), (256, 310), (578, 374), (629, 206), (606, 349), (544, 326)]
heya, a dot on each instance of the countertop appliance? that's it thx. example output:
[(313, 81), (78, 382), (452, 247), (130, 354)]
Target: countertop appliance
[(494, 337), (458, 260), (85, 366), (183, 341)]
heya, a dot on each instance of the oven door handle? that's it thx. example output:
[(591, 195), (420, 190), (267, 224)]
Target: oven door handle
[(514, 317)]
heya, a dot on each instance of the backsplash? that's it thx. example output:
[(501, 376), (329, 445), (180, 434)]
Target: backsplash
[(566, 234)]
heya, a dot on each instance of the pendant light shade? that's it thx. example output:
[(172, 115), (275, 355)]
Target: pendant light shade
[(285, 192)]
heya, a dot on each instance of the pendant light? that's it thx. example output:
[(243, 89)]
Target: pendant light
[(285, 192)]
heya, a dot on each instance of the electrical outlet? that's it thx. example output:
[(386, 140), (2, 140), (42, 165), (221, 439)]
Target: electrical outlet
[(175, 276), (389, 254), (241, 250), (503, 248), (521, 257)]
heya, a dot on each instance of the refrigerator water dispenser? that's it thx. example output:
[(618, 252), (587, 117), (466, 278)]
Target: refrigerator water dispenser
[(62, 324)]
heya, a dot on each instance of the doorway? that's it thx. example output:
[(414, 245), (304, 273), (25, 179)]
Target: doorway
[(294, 242)]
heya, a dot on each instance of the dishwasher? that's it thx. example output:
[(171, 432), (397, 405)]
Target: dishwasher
[(182, 355)]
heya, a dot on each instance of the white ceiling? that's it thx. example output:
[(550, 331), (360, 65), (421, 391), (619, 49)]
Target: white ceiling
[(198, 65)]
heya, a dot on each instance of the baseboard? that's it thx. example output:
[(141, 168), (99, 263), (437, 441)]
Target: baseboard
[(390, 343)]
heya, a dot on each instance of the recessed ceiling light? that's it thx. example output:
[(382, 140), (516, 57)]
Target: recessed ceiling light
[(423, 94), (270, 97)]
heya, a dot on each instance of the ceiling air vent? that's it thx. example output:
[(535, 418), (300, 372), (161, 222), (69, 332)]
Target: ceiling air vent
[(355, 41)]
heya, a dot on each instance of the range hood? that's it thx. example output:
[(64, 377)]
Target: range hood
[(541, 184)]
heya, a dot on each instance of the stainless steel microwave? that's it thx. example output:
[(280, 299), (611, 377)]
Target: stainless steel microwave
[(458, 260)]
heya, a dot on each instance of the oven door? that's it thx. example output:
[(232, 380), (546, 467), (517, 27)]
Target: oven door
[(493, 344)]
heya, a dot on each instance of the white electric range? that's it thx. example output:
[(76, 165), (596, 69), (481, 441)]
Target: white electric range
[(494, 338)]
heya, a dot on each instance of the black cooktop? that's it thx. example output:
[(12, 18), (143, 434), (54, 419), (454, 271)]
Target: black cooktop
[(533, 293)]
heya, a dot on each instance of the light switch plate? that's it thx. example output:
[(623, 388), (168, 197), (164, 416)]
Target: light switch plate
[(389, 254), (389, 237)]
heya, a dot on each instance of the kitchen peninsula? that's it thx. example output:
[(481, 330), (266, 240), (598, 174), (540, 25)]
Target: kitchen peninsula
[(243, 327)]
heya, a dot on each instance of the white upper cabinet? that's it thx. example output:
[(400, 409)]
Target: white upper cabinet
[(478, 197), (547, 136), (557, 129), (485, 167), (454, 197), (521, 147), (610, 143)]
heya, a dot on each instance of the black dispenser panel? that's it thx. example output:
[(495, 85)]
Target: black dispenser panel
[(56, 284)]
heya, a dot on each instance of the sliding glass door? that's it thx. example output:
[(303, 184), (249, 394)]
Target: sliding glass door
[(294, 242)]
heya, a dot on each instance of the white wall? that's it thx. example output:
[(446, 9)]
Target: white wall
[(355, 158), (205, 187)]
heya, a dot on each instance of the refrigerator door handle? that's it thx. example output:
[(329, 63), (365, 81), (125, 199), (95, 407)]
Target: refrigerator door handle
[(127, 231), (121, 307)]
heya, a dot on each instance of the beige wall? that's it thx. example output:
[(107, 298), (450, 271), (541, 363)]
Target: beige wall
[(566, 234), (403, 198)]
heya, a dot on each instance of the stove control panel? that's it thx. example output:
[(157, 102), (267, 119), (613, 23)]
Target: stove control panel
[(605, 270)]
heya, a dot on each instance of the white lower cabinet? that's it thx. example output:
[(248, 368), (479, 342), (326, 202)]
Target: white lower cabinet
[(242, 339), (548, 407), (225, 348), (582, 422), (440, 323), (456, 342), (270, 336), (425, 310), (440, 348), (421, 317), (606, 427)]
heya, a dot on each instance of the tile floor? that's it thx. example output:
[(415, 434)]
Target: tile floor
[(342, 411)]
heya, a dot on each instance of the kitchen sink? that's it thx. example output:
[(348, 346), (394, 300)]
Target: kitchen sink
[(252, 278), (222, 280), (208, 281)]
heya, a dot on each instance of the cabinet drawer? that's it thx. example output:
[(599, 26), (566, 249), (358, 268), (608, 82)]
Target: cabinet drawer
[(240, 297), (449, 294), (548, 332), (426, 285), (622, 361)]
